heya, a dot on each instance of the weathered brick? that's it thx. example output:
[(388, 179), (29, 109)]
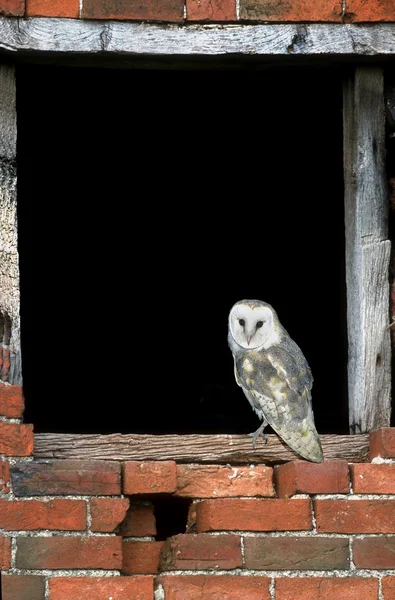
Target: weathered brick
[(141, 558), (373, 479), (301, 477), (296, 553), (64, 515), (201, 551), (217, 481), (389, 588), (4, 476), (22, 587), (52, 8), (155, 10), (374, 553), (221, 587), (16, 439), (327, 588), (355, 516), (373, 11), (11, 398), (139, 521), (108, 513), (5, 553), (382, 443), (253, 515), (151, 477), (298, 10), (69, 552), (62, 477), (12, 8), (211, 10), (140, 587)]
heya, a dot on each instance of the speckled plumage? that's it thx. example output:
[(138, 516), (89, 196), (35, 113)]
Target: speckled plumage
[(274, 375)]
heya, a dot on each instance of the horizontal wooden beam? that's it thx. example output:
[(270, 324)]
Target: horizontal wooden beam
[(234, 449), (69, 36)]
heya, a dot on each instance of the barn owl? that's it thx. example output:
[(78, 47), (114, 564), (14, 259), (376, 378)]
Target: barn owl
[(274, 375)]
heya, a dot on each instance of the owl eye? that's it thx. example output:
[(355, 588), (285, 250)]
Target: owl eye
[(242, 322), (259, 324)]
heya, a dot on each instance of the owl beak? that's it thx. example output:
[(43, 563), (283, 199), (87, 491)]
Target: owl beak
[(249, 336)]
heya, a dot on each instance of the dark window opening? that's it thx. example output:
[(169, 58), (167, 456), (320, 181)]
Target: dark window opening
[(150, 202)]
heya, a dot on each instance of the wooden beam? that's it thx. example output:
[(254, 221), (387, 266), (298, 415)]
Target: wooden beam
[(10, 349), (70, 36), (236, 449), (367, 251)]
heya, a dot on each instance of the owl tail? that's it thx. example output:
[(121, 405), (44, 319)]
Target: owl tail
[(304, 441)]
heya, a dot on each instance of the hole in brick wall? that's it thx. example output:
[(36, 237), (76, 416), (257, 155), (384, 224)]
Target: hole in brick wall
[(171, 516), (150, 202)]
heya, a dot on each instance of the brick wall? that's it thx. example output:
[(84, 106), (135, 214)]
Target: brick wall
[(335, 11), (298, 531)]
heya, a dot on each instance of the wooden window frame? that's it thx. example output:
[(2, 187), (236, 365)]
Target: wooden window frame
[(366, 208)]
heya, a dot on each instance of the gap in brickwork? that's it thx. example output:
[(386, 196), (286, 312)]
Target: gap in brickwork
[(171, 516), (149, 202)]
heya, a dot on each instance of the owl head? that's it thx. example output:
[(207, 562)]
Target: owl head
[(253, 323)]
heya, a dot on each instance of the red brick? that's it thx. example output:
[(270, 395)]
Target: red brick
[(139, 521), (15, 439), (62, 477), (373, 479), (151, 477), (108, 513), (298, 10), (69, 552), (11, 399), (221, 587), (12, 8), (4, 476), (5, 553), (216, 481), (7, 6), (375, 553), (300, 477), (382, 442), (211, 10), (327, 588), (373, 11), (201, 551), (140, 587), (141, 558), (23, 587), (355, 516), (272, 553), (52, 8), (389, 588), (253, 515), (154, 10), (29, 515)]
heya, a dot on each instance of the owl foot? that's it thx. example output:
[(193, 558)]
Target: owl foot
[(257, 433)]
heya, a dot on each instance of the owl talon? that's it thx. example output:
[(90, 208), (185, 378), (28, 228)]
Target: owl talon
[(257, 433)]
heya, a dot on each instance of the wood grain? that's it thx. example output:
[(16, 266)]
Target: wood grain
[(367, 251), (234, 449), (69, 36)]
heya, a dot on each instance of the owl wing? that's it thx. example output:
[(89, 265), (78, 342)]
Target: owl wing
[(280, 384)]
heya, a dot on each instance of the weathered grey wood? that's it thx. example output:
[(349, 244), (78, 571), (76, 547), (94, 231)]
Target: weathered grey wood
[(191, 448), (10, 351), (367, 251), (128, 38)]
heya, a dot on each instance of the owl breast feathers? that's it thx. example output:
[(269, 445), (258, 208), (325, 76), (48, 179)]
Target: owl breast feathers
[(274, 376)]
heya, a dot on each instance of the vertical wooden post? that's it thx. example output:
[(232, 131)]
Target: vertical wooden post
[(10, 348), (367, 251)]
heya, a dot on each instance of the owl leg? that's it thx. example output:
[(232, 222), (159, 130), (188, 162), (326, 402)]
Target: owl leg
[(259, 432)]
